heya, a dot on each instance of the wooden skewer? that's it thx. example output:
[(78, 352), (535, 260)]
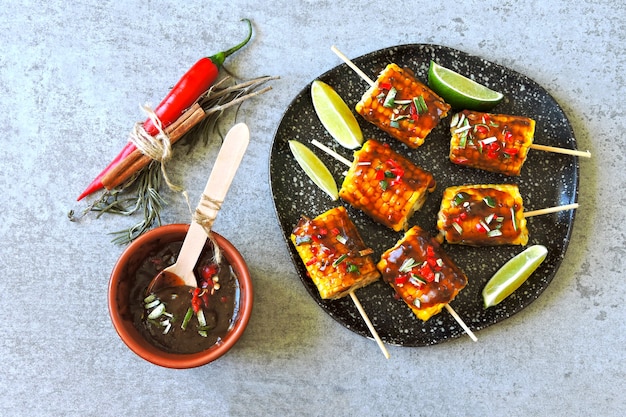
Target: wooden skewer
[(370, 326), (551, 210), (461, 323), (585, 154), (352, 65)]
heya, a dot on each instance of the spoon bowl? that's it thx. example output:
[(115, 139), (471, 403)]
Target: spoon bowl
[(222, 174)]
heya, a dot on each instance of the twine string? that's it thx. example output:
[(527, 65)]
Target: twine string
[(205, 215), (157, 147)]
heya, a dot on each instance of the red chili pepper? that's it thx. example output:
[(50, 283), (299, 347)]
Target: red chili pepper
[(187, 90), (385, 86)]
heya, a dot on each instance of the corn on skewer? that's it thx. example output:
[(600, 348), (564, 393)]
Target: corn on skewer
[(336, 259), (495, 142), (383, 184), (423, 276), (486, 215), (399, 104)]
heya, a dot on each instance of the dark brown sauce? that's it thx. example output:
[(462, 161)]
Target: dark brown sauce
[(219, 313)]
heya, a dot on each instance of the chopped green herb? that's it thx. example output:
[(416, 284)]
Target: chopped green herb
[(407, 265), (340, 259), (303, 239), (391, 97), (187, 318)]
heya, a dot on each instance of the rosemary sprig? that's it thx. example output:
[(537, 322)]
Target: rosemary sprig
[(141, 193)]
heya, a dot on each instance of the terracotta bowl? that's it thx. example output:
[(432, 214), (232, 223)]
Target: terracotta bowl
[(120, 284)]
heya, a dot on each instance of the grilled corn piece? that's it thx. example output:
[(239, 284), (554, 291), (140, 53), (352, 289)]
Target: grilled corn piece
[(421, 273), (482, 215), (493, 142), (334, 254), (402, 106), (385, 185)]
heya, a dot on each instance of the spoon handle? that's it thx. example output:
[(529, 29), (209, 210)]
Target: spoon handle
[(226, 165)]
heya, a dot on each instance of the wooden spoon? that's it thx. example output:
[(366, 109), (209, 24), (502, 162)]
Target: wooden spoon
[(222, 174)]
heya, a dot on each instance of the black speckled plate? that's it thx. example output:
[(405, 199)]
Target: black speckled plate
[(548, 179)]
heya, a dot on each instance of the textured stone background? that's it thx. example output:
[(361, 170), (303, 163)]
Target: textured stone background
[(72, 77)]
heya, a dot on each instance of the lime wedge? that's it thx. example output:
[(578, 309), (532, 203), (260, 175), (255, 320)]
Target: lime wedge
[(336, 116), (314, 168), (513, 274), (460, 92)]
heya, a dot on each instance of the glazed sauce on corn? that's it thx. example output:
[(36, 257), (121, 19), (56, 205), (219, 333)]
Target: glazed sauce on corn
[(493, 142), (485, 215), (402, 106), (421, 273), (385, 185)]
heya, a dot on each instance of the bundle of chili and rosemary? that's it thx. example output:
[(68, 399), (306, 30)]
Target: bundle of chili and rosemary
[(133, 179)]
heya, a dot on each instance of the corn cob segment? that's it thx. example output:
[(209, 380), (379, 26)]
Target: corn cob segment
[(402, 106), (421, 273), (334, 254), (493, 142), (482, 215), (386, 186)]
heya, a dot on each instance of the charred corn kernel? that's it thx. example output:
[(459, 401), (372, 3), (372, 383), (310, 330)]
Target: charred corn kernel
[(396, 187), (482, 215), (421, 273), (402, 106), (334, 253), (493, 142)]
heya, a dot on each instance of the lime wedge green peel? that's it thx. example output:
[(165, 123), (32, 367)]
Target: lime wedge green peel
[(314, 168), (461, 92), (336, 116), (513, 274)]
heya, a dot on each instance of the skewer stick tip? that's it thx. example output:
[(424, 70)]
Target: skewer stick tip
[(369, 324), (461, 323)]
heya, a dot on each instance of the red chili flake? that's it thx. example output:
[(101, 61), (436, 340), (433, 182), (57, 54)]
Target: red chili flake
[(413, 113), (380, 175), (392, 163), (312, 261), (486, 118), (401, 279), (511, 151), (481, 129), (430, 251), (508, 136), (397, 171), (195, 300), (335, 231), (427, 273), (480, 227), (385, 86), (323, 231), (209, 271)]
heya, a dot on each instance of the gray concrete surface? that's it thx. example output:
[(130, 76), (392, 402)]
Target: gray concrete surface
[(72, 78)]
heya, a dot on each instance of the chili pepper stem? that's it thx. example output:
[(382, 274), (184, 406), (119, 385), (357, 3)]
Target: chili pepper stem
[(218, 58)]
